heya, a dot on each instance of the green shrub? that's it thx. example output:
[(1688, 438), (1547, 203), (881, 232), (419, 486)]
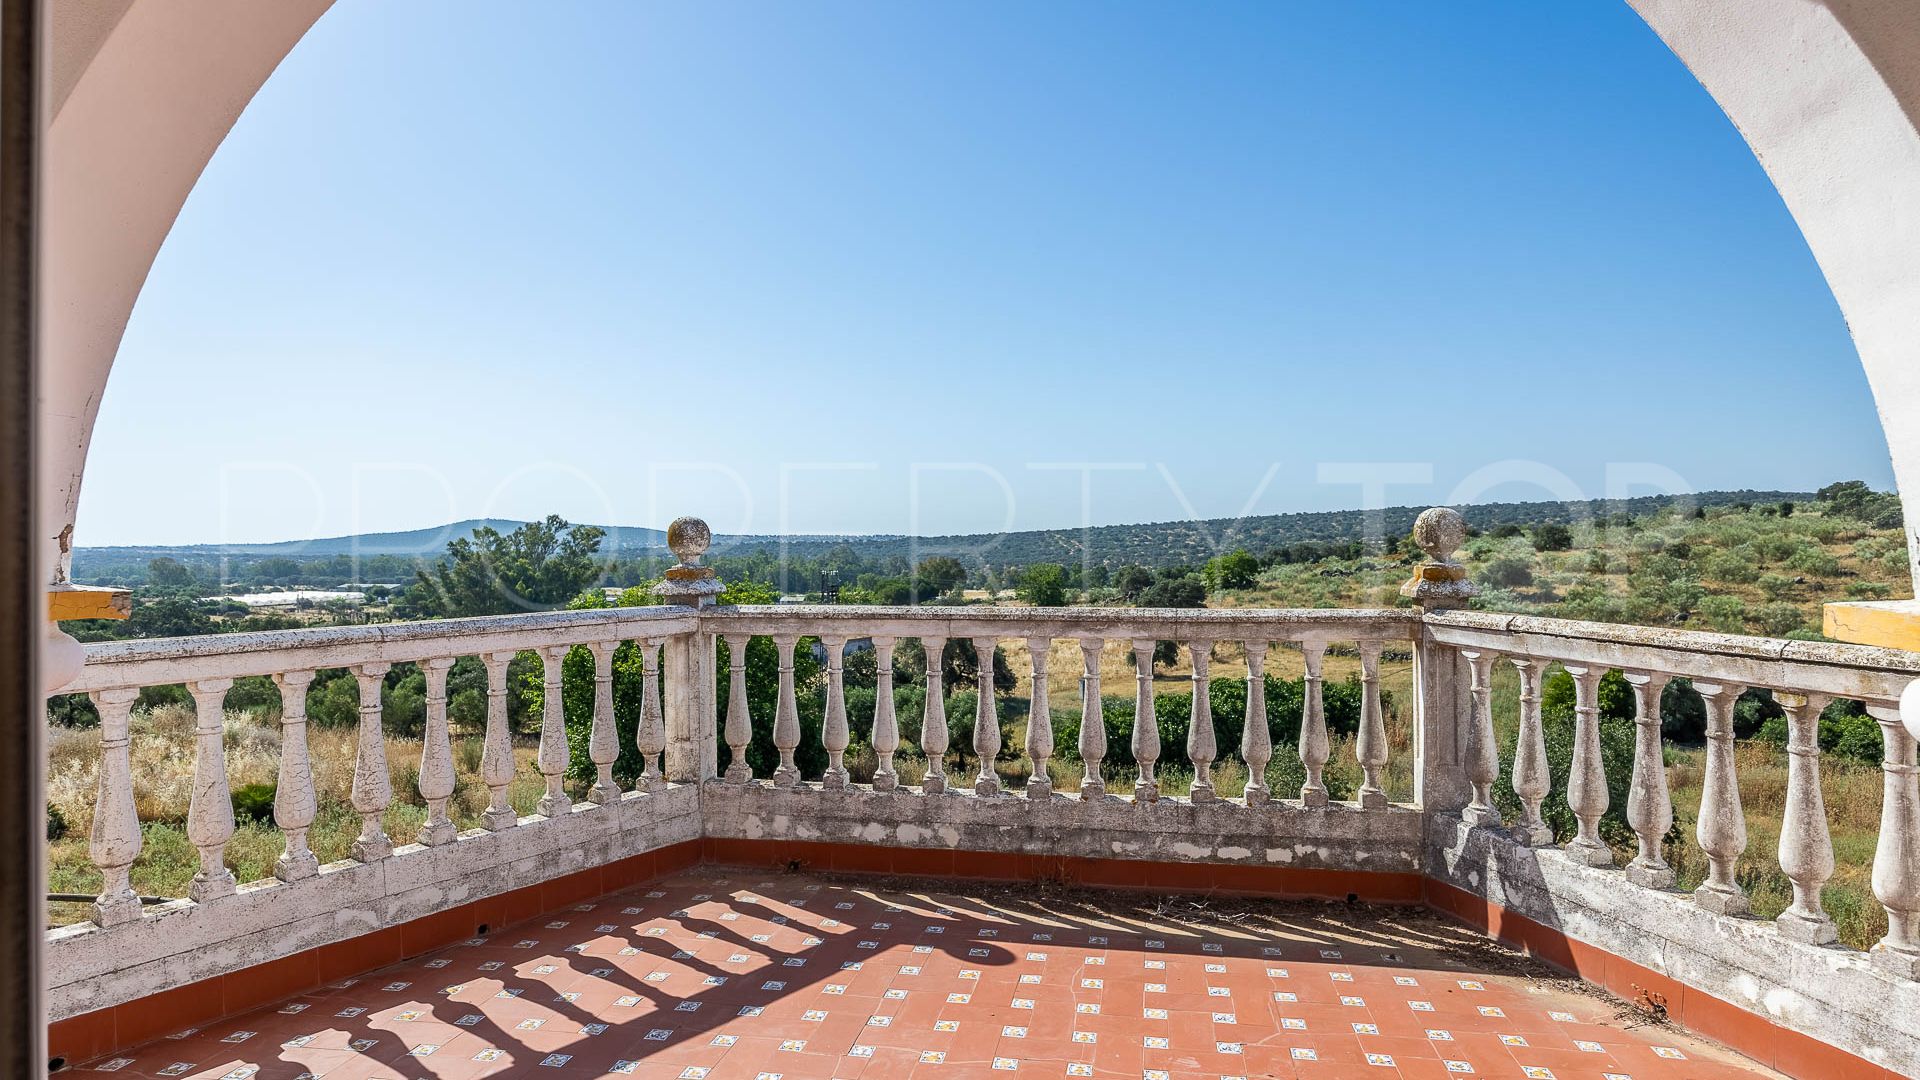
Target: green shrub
[(1727, 614), (1552, 537), (253, 802), (1778, 618), (1729, 567), (1814, 560), (1507, 572), (1847, 731), (72, 711), (56, 823)]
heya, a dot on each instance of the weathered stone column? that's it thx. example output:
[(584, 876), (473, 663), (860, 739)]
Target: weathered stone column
[(1314, 747), (1722, 829), (436, 757), (1649, 804), (1441, 680), (933, 718), (1806, 848), (690, 699), (1370, 749), (1039, 722), (786, 715), (372, 786), (1530, 779), (834, 735), (496, 750), (986, 720), (553, 732), (1146, 729), (1482, 757), (886, 728), (1896, 858), (650, 738), (739, 718), (210, 810), (116, 840), (1201, 748), (1093, 721), (1587, 777), (603, 739), (294, 804), (1256, 742)]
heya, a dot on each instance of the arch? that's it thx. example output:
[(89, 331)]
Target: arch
[(1826, 92), (138, 99)]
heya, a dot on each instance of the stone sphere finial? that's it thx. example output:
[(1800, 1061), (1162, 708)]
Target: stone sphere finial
[(1439, 532), (688, 538)]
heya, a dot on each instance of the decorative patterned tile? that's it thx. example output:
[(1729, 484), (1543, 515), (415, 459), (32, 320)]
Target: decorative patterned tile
[(909, 993)]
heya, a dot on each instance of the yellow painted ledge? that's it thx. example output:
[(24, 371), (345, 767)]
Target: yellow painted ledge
[(88, 602), (1889, 624)]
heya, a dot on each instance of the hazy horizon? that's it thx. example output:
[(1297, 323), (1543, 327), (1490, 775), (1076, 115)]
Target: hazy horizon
[(445, 526)]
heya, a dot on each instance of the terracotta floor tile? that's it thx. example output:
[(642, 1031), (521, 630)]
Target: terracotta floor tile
[(717, 974)]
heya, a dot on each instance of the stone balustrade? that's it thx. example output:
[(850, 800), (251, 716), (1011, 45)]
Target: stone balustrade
[(1453, 830), (115, 673), (1803, 678)]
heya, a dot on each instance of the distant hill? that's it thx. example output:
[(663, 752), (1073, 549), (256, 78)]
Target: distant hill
[(1154, 544)]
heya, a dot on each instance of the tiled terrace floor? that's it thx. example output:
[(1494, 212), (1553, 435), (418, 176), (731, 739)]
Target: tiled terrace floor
[(719, 974)]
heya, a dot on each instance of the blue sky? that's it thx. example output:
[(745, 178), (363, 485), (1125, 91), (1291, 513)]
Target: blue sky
[(865, 267)]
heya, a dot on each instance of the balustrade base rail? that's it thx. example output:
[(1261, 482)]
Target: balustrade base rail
[(90, 968), (1834, 996), (1276, 835)]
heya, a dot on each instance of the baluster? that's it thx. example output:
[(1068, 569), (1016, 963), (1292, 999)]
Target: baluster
[(1531, 779), (833, 726), (116, 840), (603, 740), (1201, 745), (1806, 849), (210, 810), (786, 716), (1371, 747), (552, 758), (1039, 722), (1587, 778), (294, 805), (1093, 721), (933, 718), (1649, 806), (372, 786), (436, 757), (1256, 742), (1146, 729), (739, 730), (496, 752), (651, 738), (1482, 761), (1896, 857), (1722, 829), (1314, 748), (986, 720), (886, 729)]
